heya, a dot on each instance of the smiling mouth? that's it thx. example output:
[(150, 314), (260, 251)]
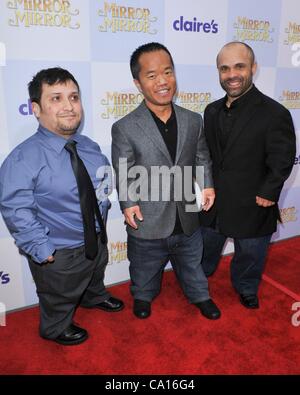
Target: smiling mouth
[(68, 116), (163, 91), (234, 84)]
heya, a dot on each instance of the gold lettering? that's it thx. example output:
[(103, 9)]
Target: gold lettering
[(122, 12), (130, 12), (19, 17)]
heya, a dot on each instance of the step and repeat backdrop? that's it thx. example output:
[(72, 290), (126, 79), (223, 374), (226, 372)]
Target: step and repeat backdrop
[(94, 40)]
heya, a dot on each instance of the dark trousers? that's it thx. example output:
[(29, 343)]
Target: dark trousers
[(149, 257), (247, 263), (64, 284)]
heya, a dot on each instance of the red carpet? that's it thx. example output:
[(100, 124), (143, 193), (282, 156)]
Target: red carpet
[(176, 339)]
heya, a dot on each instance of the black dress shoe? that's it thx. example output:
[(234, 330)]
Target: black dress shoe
[(249, 301), (72, 335), (209, 309), (111, 305), (141, 308)]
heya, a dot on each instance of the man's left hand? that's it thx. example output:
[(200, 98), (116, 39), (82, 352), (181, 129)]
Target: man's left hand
[(264, 202), (208, 198)]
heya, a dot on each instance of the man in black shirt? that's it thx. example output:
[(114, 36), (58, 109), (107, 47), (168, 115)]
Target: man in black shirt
[(251, 139), (161, 134)]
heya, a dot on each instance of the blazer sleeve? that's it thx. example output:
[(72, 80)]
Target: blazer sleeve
[(280, 146), (123, 159), (203, 157)]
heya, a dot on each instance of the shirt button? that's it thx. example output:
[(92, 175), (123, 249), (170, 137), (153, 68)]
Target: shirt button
[(166, 130)]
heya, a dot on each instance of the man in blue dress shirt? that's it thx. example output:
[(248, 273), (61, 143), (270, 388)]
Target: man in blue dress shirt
[(40, 204)]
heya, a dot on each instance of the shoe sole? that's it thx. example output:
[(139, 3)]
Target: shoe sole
[(142, 317), (68, 343), (108, 310), (250, 307), (73, 343), (212, 318)]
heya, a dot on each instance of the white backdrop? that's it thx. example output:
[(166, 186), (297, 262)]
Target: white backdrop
[(94, 40)]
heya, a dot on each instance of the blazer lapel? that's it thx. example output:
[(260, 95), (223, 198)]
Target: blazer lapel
[(148, 127), (216, 128), (182, 130), (247, 113)]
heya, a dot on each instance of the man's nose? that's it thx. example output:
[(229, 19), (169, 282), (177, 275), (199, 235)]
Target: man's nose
[(68, 105), (232, 73), (161, 79)]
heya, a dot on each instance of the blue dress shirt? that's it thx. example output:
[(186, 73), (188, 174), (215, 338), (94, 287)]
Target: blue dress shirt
[(39, 198)]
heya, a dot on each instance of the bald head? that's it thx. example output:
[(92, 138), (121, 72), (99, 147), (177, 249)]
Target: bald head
[(238, 46), (236, 65)]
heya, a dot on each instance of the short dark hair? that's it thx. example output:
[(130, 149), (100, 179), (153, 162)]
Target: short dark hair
[(145, 48), (249, 49), (49, 76)]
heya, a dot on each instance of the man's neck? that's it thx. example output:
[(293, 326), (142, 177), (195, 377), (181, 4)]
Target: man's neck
[(162, 112), (230, 100)]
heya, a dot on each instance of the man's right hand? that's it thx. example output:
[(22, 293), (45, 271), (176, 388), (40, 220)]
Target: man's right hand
[(50, 259), (130, 213)]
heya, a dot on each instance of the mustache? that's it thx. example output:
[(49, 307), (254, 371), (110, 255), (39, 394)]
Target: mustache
[(67, 114), (235, 79)]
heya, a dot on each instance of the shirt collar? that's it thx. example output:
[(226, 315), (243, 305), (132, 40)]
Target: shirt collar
[(241, 100), (54, 140), (156, 117)]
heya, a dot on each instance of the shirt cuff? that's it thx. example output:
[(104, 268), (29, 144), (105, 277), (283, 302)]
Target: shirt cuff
[(42, 252)]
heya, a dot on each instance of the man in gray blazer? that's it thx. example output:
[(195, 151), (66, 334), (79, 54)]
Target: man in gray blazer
[(157, 151)]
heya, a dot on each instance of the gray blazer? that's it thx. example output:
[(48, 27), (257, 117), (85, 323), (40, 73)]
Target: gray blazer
[(137, 140)]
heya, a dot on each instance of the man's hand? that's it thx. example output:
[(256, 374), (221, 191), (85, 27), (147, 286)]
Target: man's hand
[(208, 198), (50, 259), (130, 213), (264, 202)]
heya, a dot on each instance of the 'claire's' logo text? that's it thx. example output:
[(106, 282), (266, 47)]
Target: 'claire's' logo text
[(25, 108), (4, 278), (195, 26)]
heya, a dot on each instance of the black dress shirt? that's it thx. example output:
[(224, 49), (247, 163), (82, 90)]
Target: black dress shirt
[(169, 132), (229, 115)]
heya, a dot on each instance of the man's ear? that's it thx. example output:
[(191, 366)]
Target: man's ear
[(254, 68), (138, 85), (36, 109)]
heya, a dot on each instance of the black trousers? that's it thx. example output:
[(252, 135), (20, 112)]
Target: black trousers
[(248, 261), (69, 281)]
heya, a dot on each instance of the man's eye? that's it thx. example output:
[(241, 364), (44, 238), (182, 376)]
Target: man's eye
[(55, 98), (75, 98)]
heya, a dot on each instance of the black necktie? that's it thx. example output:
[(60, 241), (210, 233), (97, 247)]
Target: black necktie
[(88, 203)]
